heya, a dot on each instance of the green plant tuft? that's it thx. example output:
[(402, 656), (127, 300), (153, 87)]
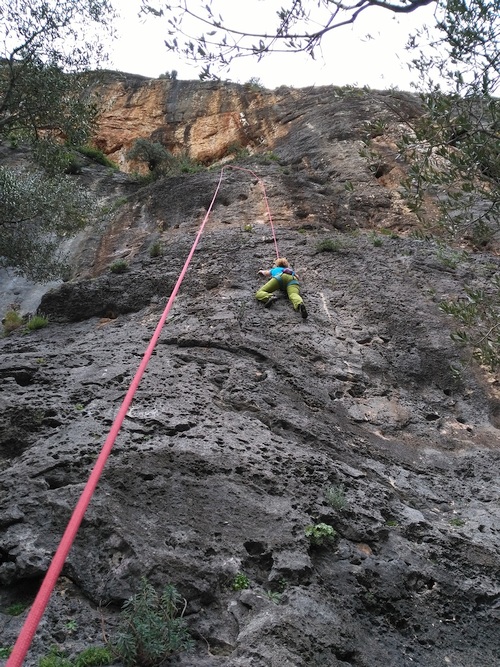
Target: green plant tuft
[(16, 608), (55, 658), (93, 656), (37, 322), (172, 75), (98, 156), (254, 84), (458, 523), (120, 266), (160, 161), (156, 249), (274, 596), (388, 232), (151, 629), (335, 496), (376, 240), (72, 625), (11, 321), (320, 533), (236, 149), (240, 582), (329, 245)]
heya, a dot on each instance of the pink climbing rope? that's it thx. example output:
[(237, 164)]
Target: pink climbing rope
[(229, 166), (30, 625)]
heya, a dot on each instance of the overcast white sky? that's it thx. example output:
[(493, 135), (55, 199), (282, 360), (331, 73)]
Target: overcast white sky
[(348, 57)]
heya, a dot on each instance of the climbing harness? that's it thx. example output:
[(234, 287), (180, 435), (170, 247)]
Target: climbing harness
[(28, 630), (279, 278)]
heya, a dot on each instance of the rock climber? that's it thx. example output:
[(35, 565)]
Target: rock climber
[(283, 277)]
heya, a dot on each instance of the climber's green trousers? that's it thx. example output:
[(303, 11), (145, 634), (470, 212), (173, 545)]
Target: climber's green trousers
[(292, 291)]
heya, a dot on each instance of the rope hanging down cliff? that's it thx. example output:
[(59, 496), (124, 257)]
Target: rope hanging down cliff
[(30, 625)]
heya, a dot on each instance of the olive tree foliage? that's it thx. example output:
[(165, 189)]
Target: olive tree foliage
[(36, 215), (47, 50), (198, 31), (454, 151), (41, 42), (454, 156)]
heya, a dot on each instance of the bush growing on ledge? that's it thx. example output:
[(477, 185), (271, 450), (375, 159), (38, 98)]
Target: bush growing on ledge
[(329, 245), (320, 533), (151, 627), (156, 249), (11, 321), (120, 266)]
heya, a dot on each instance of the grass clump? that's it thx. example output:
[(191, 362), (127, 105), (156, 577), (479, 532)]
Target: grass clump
[(151, 627), (376, 240), (11, 321), (90, 657), (97, 156), (254, 84), (113, 206), (236, 149), (458, 523), (329, 245), (94, 655), (160, 161), (16, 608), (120, 266), (274, 596), (388, 232), (335, 496), (55, 658), (37, 322), (156, 249)]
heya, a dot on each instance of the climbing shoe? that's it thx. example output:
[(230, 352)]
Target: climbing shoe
[(270, 301), (302, 310)]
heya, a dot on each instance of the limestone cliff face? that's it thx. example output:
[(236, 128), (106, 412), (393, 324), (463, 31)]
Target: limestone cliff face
[(250, 425), (313, 137), (201, 120)]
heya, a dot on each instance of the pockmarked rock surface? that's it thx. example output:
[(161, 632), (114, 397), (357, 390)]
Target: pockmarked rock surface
[(249, 424)]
